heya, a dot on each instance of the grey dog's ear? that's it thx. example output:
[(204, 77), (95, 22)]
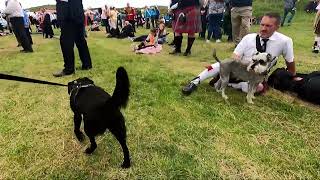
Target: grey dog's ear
[(269, 57)]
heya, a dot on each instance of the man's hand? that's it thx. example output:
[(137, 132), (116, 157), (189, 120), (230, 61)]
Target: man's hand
[(297, 78), (236, 56)]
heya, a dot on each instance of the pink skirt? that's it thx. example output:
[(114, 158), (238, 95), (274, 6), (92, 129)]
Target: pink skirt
[(150, 50)]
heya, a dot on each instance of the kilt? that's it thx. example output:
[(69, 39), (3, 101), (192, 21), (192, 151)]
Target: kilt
[(192, 23)]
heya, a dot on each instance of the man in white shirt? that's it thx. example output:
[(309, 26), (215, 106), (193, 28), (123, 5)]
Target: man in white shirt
[(15, 13), (276, 44)]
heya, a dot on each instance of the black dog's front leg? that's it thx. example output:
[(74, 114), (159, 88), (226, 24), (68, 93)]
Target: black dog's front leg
[(93, 145), (77, 123)]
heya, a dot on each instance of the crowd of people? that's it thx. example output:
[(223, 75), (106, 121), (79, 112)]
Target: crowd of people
[(209, 18)]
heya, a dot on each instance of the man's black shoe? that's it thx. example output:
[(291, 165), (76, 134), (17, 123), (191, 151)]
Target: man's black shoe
[(189, 88), (175, 52), (213, 81), (26, 51), (86, 68), (187, 53), (62, 73)]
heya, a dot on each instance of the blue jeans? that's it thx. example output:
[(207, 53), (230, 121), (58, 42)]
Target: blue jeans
[(214, 28), (286, 12)]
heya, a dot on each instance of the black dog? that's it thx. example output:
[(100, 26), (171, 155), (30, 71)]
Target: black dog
[(100, 111), (308, 88)]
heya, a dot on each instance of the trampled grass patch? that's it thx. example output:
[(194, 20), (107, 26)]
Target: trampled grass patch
[(170, 136)]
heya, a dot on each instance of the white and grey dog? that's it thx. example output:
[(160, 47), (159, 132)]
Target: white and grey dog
[(260, 63), (254, 73)]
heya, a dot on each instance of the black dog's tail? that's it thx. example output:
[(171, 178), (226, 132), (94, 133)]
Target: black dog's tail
[(214, 54), (121, 92)]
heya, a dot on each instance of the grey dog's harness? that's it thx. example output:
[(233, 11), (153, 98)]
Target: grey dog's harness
[(263, 48), (77, 89)]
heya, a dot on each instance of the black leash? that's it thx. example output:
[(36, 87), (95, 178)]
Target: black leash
[(23, 79)]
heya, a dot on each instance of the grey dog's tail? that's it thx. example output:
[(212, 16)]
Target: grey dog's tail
[(214, 54), (121, 92)]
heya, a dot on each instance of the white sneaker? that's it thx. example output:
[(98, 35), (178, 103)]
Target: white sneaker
[(218, 41), (207, 41)]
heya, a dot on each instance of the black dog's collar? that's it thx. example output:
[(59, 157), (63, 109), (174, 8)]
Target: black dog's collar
[(77, 88)]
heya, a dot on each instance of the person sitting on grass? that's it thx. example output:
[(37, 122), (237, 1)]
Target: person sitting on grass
[(127, 30), (162, 35), (95, 26), (150, 45)]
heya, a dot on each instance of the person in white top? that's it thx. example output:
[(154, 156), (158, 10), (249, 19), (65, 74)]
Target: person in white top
[(15, 13), (277, 44), (316, 26), (105, 18)]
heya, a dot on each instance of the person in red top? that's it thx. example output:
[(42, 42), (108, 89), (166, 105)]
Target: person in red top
[(130, 12)]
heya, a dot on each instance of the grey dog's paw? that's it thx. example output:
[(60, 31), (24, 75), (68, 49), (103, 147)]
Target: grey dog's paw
[(250, 101)]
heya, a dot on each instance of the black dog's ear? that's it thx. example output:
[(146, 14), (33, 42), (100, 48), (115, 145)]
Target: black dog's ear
[(70, 86)]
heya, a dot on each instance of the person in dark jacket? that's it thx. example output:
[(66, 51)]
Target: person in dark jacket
[(70, 16), (204, 22), (47, 25)]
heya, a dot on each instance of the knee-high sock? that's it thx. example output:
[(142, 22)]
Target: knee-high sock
[(317, 40), (210, 72)]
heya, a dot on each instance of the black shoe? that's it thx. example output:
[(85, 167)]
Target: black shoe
[(26, 51), (187, 53), (86, 68), (315, 49), (189, 88), (175, 52), (214, 80), (62, 73)]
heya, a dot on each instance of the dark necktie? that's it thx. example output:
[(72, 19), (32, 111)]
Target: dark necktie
[(264, 45)]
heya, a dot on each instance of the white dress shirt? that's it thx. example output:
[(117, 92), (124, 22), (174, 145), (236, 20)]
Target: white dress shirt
[(278, 44), (13, 9)]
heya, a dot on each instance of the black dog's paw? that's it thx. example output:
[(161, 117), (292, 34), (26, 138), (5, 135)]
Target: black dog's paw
[(80, 136), (90, 149), (125, 165)]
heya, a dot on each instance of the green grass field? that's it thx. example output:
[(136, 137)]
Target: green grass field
[(170, 136)]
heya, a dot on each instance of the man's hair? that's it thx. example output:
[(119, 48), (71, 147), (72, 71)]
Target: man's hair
[(274, 15)]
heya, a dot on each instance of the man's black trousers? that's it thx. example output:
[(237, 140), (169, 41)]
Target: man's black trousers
[(73, 33), (20, 33)]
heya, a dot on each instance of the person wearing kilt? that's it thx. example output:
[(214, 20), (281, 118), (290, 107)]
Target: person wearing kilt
[(316, 25), (187, 19)]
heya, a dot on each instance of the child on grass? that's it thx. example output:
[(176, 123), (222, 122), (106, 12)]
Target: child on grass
[(150, 45)]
